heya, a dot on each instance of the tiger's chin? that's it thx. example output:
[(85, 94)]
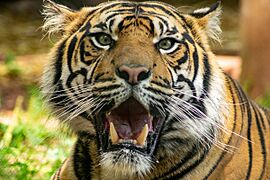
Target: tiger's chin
[(125, 164)]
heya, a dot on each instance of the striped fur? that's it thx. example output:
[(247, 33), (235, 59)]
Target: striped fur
[(211, 129)]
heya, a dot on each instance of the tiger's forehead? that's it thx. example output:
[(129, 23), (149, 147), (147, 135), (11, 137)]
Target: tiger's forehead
[(157, 18)]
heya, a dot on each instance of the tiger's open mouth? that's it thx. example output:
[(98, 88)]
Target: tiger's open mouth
[(130, 126)]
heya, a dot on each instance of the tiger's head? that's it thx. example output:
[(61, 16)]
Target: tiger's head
[(139, 77)]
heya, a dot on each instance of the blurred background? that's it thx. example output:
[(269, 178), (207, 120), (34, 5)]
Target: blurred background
[(30, 146)]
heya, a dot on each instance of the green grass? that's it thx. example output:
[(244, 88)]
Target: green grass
[(30, 145), (13, 69), (264, 100)]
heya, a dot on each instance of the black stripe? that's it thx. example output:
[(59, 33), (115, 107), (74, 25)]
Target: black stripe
[(101, 25), (196, 63), (120, 25), (161, 28), (250, 151), (241, 95), (189, 168), (187, 37), (82, 161), (172, 31), (98, 76), (261, 119), (106, 88), (162, 8), (115, 14), (124, 11), (156, 91), (128, 18), (161, 84), (83, 54), (106, 96), (188, 27), (172, 55), (146, 27), (267, 114), (111, 24), (263, 152), (181, 161), (86, 27), (72, 76), (58, 62), (93, 70), (70, 52), (166, 81), (173, 80), (59, 97), (164, 21), (184, 59), (243, 100), (92, 43), (152, 28), (234, 126), (111, 6), (110, 79), (181, 78), (206, 76)]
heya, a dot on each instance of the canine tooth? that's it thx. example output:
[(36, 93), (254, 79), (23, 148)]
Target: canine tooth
[(143, 135), (113, 134)]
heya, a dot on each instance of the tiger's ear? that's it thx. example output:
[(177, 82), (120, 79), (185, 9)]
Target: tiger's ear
[(209, 19), (56, 17)]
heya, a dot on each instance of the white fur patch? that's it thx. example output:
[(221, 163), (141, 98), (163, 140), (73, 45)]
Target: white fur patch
[(202, 10), (54, 21), (213, 26), (124, 164), (213, 23)]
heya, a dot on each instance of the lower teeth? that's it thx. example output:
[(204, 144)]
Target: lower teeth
[(128, 141)]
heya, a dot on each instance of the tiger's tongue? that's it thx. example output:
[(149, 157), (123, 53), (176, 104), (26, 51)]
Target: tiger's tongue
[(129, 119)]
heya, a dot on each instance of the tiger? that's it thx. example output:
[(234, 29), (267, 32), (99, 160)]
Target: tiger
[(143, 93)]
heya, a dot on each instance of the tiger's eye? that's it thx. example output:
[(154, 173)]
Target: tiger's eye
[(165, 44), (104, 39)]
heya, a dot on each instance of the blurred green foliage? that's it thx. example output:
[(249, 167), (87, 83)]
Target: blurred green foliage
[(264, 100), (30, 145), (13, 69)]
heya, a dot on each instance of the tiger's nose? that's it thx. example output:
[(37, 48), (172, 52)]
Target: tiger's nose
[(133, 75)]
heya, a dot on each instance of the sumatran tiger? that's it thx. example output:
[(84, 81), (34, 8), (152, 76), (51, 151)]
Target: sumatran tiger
[(141, 89)]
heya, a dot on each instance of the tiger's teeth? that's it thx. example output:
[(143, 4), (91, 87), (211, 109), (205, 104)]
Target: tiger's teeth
[(143, 135), (113, 134)]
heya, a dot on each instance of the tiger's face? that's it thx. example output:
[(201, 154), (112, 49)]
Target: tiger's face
[(137, 77)]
